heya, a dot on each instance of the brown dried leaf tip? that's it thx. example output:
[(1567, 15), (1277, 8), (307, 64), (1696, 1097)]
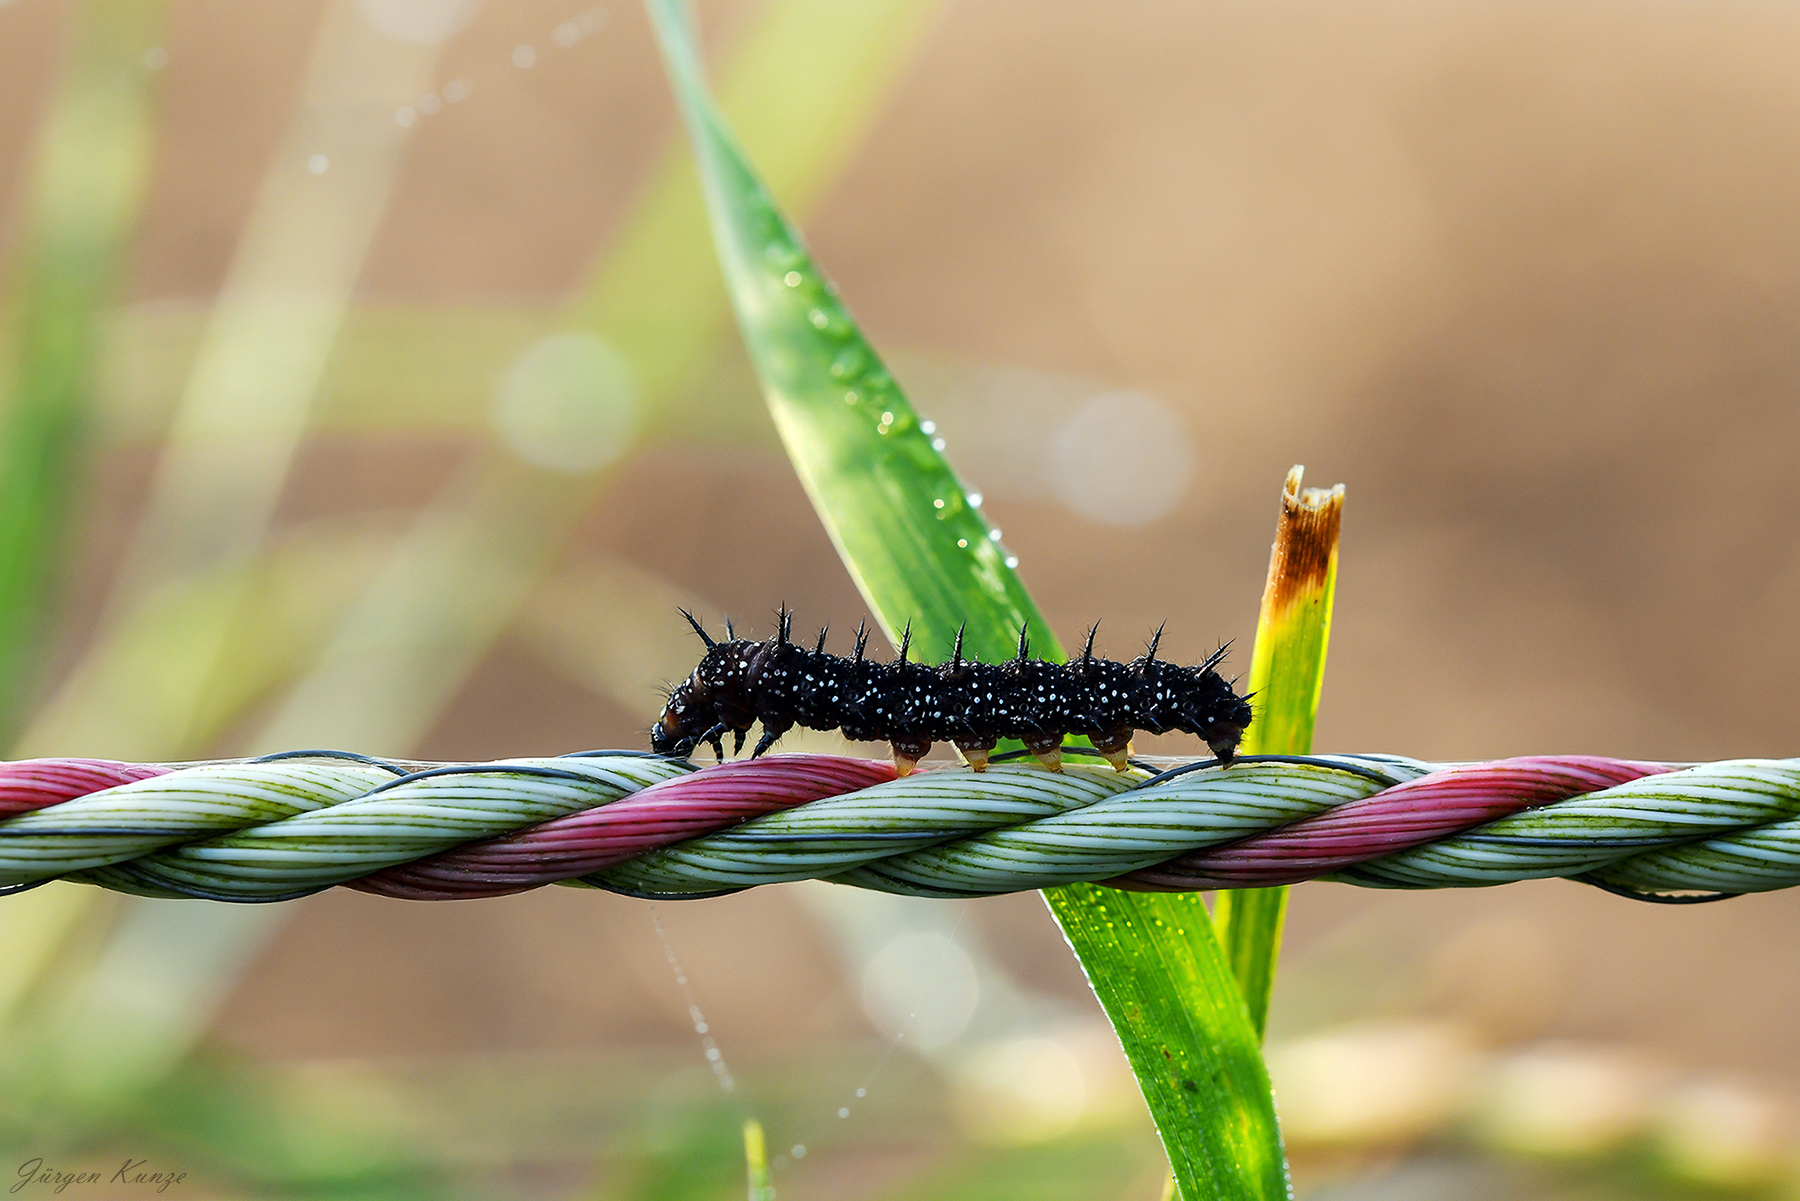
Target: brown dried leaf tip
[(1306, 541)]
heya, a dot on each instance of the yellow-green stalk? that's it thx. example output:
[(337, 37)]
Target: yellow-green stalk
[(1287, 670), (756, 1161)]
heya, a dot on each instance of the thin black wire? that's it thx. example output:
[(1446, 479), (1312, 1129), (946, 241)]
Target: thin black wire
[(1367, 773), (352, 756), (1653, 898), (627, 891), (161, 889), (494, 769), (679, 761), (852, 837), (1009, 756)]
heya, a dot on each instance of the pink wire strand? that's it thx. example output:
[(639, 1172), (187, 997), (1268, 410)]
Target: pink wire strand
[(29, 784), (1419, 811), (565, 847)]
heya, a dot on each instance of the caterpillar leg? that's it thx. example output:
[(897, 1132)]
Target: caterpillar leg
[(907, 753), (975, 756), (1116, 746), (713, 736), (767, 740), (1047, 747)]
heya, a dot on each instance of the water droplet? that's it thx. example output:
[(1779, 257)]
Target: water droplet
[(963, 542), (937, 444), (405, 117), (791, 279), (524, 57), (974, 500), (799, 1151), (1125, 458), (456, 90), (818, 318), (318, 164), (569, 403), (994, 534), (851, 398), (929, 427), (862, 1092), (1012, 560), (156, 58), (567, 34), (938, 503), (887, 419), (847, 364), (843, 1113), (430, 104)]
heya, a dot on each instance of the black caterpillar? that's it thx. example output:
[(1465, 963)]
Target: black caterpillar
[(912, 705)]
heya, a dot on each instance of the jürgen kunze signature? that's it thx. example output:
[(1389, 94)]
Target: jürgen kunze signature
[(132, 1171)]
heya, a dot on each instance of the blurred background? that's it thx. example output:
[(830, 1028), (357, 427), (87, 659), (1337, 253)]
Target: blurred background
[(368, 382)]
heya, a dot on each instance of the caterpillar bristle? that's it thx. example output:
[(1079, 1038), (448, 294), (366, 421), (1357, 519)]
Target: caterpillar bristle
[(698, 629), (1217, 657)]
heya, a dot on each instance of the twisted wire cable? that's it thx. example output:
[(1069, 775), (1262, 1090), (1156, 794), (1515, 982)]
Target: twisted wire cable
[(645, 825)]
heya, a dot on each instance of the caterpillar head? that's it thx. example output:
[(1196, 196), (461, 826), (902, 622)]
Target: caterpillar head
[(691, 716), (1212, 710), (687, 718), (1195, 700)]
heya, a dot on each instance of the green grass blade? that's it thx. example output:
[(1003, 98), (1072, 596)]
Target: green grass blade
[(900, 518), (1287, 671), (1155, 964), (86, 184), (922, 554)]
